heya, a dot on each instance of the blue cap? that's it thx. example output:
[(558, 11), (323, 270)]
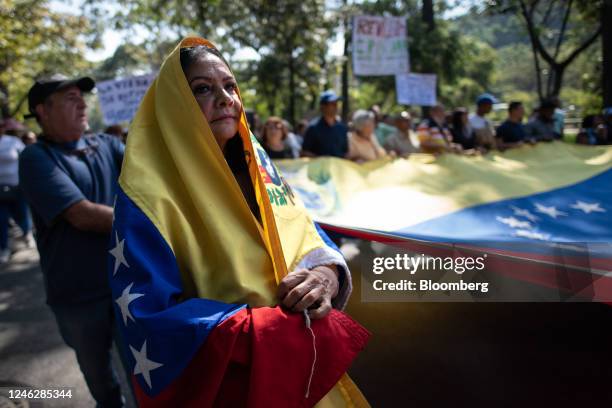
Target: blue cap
[(485, 98), (328, 96), (607, 111)]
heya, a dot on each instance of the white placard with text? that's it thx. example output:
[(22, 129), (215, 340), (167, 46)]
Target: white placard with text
[(416, 89), (379, 46), (120, 98)]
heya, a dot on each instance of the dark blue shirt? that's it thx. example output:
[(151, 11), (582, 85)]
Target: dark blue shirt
[(53, 177), (511, 132), (325, 140)]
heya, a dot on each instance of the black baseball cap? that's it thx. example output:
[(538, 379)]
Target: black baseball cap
[(44, 87)]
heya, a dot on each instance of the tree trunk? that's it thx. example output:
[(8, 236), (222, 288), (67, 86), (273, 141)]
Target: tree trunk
[(428, 15), (314, 101), (538, 71), (345, 69), (271, 101), (290, 66), (556, 72), (556, 68), (606, 42), (5, 109)]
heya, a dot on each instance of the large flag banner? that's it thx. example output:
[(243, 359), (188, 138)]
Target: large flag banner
[(416, 89), (120, 98), (380, 46), (549, 204)]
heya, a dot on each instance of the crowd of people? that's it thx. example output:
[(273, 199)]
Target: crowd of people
[(371, 134)]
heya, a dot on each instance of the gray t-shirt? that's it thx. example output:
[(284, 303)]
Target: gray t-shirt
[(400, 143)]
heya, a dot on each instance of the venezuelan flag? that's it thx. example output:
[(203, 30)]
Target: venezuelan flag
[(546, 205), (193, 273)]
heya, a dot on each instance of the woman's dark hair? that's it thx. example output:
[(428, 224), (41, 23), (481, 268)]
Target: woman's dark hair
[(190, 55), (457, 120), (514, 105), (588, 121)]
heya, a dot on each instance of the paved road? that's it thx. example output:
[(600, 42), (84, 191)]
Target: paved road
[(31, 349), (420, 355)]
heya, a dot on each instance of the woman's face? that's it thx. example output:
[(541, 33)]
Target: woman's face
[(274, 132), (367, 128), (215, 90)]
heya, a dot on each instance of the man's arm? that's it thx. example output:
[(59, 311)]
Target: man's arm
[(88, 216), (53, 195)]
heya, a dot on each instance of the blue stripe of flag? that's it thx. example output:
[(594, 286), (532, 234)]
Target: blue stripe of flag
[(173, 329)]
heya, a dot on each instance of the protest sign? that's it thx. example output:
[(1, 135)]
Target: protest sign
[(416, 89), (120, 98), (380, 46)]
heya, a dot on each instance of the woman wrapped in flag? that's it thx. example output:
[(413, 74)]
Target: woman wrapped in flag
[(226, 292)]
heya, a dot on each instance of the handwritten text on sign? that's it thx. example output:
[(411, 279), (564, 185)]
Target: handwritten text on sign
[(416, 89), (380, 46), (120, 98)]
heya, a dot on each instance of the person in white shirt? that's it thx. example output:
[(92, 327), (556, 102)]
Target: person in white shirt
[(481, 126), (12, 202)]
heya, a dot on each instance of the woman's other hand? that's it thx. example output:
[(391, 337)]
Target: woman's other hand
[(311, 289)]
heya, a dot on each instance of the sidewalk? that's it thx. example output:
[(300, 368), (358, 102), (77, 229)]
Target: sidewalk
[(32, 352)]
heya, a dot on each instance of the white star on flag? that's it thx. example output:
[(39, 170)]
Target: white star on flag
[(524, 213), (550, 211), (587, 207), (124, 302), (117, 252), (514, 223), (143, 365), (532, 235)]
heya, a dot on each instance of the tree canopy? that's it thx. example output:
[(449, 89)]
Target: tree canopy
[(35, 41), (516, 49)]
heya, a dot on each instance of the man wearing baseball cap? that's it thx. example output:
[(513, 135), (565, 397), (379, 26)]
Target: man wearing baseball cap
[(69, 179), (481, 126), (326, 136)]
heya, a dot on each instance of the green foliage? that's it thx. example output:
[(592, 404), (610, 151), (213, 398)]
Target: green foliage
[(34, 42), (497, 30), (289, 36), (558, 31), (472, 75), (488, 49), (292, 49), (514, 74), (368, 93)]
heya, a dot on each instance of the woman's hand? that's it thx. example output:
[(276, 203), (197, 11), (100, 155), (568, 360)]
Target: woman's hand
[(309, 289)]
